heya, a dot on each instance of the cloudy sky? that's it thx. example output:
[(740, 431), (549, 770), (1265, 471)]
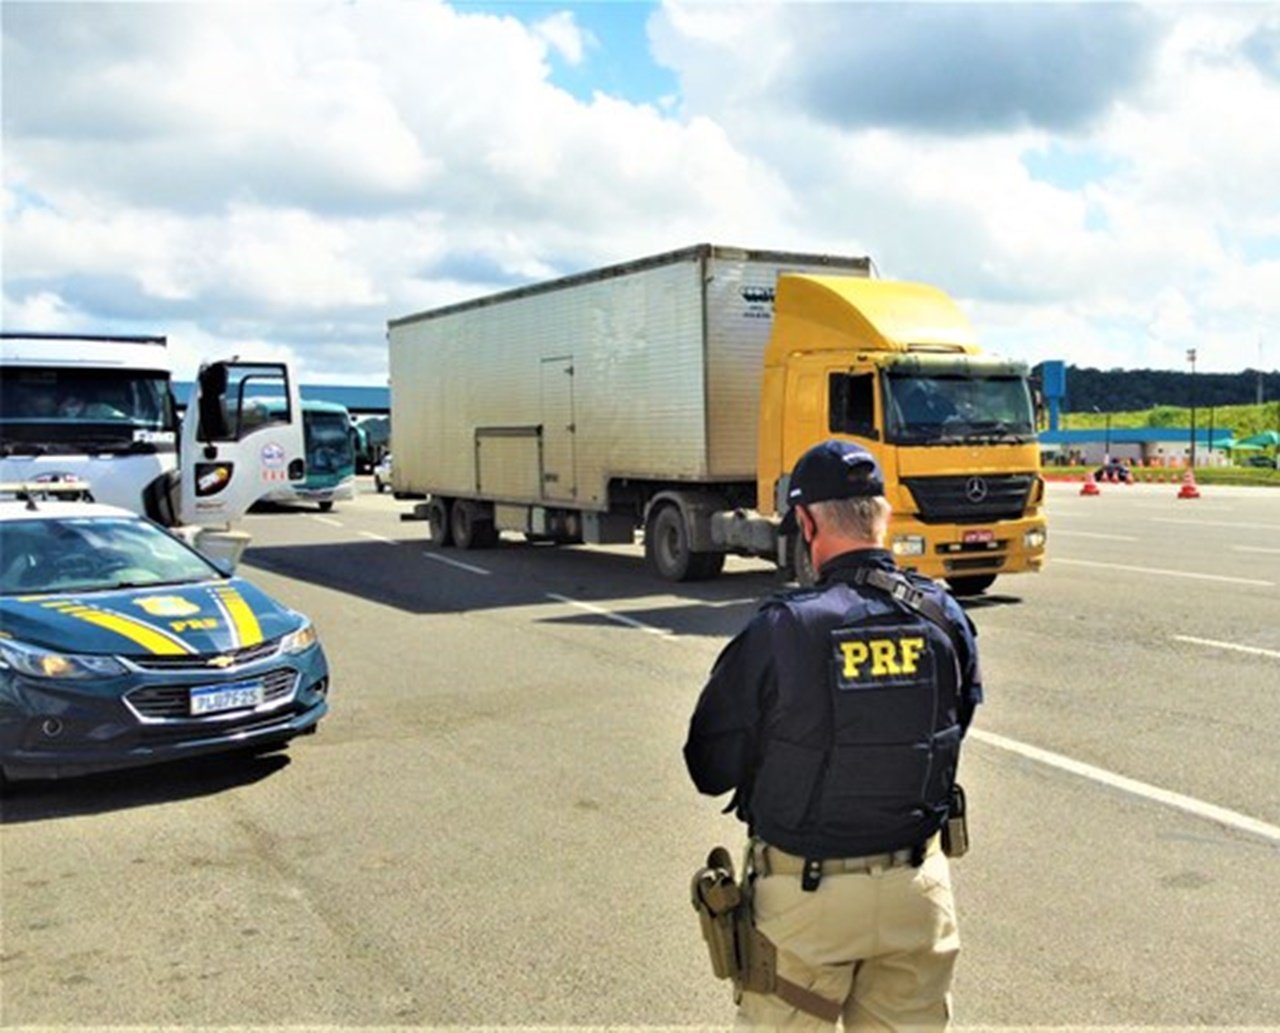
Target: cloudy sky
[(1093, 182)]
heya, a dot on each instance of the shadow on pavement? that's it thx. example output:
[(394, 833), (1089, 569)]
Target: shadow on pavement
[(135, 787)]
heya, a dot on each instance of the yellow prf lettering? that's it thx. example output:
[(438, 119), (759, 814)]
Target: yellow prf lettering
[(911, 650), (195, 624), (882, 657), (855, 655)]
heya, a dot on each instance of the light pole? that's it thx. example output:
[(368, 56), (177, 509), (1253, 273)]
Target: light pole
[(1191, 358), (1106, 439)]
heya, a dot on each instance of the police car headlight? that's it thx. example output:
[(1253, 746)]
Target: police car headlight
[(43, 663), (1034, 539), (908, 545), (301, 640)]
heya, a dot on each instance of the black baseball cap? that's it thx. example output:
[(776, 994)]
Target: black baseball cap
[(831, 470)]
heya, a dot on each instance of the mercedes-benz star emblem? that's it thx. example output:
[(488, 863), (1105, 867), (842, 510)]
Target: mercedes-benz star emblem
[(975, 489)]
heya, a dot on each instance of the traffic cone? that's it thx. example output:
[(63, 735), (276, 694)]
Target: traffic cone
[(1189, 489), (1090, 487)]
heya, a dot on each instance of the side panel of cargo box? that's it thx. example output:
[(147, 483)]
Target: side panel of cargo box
[(542, 397)]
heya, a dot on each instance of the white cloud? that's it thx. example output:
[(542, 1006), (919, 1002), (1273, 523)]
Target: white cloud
[(296, 174)]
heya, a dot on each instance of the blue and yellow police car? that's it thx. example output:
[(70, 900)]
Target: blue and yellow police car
[(120, 646)]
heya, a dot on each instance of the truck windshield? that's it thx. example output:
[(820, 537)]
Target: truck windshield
[(950, 409), (57, 409)]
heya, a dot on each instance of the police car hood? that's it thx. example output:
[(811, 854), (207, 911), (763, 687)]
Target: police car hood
[(163, 620)]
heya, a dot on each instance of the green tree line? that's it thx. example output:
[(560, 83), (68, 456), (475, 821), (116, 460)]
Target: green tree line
[(1134, 390)]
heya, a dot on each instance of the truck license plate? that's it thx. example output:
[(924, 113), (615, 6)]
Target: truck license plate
[(978, 537), (216, 698)]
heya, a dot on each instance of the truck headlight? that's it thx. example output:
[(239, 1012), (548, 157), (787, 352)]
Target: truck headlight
[(1034, 539), (44, 663), (908, 545), (301, 640)]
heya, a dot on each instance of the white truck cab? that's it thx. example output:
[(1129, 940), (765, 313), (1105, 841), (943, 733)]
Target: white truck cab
[(100, 410)]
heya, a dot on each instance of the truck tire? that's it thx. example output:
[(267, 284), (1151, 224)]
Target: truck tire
[(325, 507), (666, 544), (440, 520), (472, 528), (970, 584), (666, 548)]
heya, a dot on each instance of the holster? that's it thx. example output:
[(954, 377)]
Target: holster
[(955, 830), (738, 950)]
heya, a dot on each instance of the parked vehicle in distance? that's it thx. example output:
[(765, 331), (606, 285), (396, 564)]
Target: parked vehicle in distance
[(121, 646), (329, 443), (1113, 471), (1265, 462), (382, 474)]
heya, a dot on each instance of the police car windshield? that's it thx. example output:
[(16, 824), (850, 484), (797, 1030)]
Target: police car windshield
[(92, 554), (950, 409)]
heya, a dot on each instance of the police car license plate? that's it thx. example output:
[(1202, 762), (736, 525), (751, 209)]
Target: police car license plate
[(214, 699), (978, 537)]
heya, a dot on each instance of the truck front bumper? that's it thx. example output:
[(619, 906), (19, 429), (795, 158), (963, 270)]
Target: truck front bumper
[(950, 550)]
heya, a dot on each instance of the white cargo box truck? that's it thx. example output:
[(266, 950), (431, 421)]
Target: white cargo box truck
[(569, 409)]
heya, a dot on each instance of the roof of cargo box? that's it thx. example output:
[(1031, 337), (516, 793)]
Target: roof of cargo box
[(698, 252), (844, 312)]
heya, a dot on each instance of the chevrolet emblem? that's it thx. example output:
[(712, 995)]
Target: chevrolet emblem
[(220, 661)]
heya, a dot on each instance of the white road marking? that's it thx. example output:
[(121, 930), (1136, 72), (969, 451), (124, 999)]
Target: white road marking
[(619, 618), (1058, 533), (1187, 804), (1217, 523), (1253, 650), (456, 563), (1166, 573), (327, 520), (378, 537)]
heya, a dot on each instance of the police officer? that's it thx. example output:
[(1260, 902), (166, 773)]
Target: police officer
[(836, 718)]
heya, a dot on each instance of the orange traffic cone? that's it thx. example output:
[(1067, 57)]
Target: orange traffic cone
[(1189, 489), (1090, 487)]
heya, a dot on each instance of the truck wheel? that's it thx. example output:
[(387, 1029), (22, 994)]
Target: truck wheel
[(439, 518), (970, 584), (472, 529), (325, 506), (666, 545)]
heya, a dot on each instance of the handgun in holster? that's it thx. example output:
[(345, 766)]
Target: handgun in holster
[(955, 830), (737, 951)]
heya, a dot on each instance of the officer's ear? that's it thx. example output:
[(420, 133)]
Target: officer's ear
[(808, 525)]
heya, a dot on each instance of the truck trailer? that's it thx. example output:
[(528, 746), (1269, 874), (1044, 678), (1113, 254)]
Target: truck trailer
[(673, 394)]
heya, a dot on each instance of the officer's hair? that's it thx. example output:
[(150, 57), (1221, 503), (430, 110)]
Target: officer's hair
[(864, 518)]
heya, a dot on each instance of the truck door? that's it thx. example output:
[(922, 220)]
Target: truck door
[(559, 478), (242, 437)]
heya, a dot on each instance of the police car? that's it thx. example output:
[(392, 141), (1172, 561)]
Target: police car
[(121, 646)]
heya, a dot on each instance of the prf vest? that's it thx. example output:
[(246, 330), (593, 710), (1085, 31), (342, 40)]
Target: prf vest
[(859, 751)]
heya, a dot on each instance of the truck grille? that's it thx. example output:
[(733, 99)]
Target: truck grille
[(970, 500), (173, 702)]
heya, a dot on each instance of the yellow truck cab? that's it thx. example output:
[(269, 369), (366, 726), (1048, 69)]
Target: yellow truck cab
[(896, 367)]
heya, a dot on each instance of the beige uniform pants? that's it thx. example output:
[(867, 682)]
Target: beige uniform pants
[(882, 941)]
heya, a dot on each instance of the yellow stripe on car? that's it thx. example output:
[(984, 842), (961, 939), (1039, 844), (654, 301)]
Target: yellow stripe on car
[(239, 615), (156, 640)]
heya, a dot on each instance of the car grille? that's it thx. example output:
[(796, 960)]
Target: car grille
[(173, 702), (201, 662), (950, 499)]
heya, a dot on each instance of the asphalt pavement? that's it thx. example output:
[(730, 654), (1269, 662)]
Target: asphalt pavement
[(493, 827)]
